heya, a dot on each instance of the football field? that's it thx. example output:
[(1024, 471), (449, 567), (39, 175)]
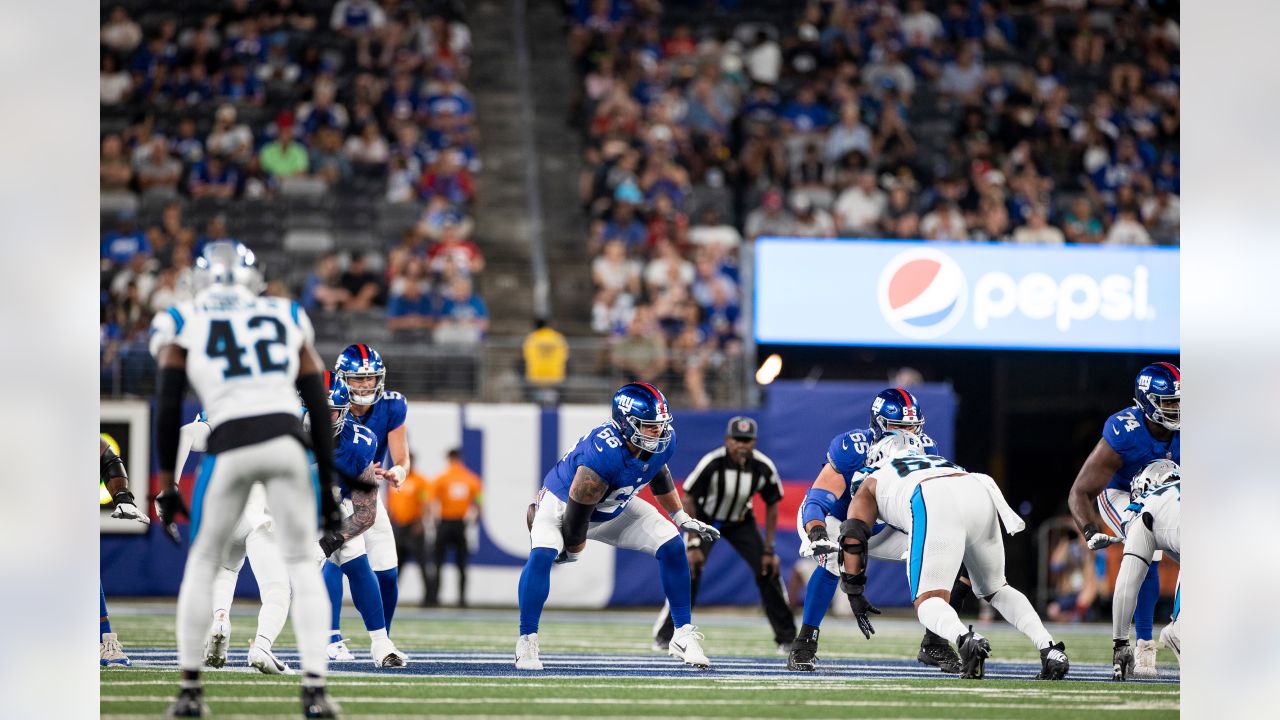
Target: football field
[(600, 664)]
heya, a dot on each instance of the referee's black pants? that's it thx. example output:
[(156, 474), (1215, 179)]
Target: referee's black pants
[(744, 536), (453, 534)]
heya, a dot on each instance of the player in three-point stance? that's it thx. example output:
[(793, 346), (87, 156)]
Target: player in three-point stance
[(950, 516), (383, 412), (1154, 523), (116, 480), (826, 505), (248, 358), (1131, 438), (588, 496), (353, 454)]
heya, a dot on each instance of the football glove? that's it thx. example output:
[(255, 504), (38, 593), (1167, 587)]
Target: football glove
[(819, 544), (853, 586), (169, 505), (1122, 661), (1097, 539), (126, 509), (331, 542), (686, 523)]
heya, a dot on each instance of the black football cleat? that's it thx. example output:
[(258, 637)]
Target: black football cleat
[(316, 703), (974, 651), (804, 655), (937, 652), (1053, 662), (189, 703)]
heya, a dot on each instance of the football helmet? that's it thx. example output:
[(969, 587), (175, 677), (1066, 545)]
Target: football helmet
[(227, 263), (361, 361), (895, 408), (638, 406), (1155, 474), (894, 444), (1158, 393)]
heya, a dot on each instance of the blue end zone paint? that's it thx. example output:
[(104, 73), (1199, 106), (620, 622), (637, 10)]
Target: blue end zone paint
[(566, 665), (549, 446)]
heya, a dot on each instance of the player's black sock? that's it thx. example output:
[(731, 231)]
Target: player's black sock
[(960, 591), (808, 632)]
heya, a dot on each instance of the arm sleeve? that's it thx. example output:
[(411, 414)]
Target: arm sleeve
[(662, 483), (171, 386), (1139, 547)]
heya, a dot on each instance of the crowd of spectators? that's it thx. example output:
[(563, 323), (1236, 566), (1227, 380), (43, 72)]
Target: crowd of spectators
[(984, 121), (223, 105)]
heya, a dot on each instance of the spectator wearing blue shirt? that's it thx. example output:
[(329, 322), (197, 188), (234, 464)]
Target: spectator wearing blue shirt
[(120, 245), (806, 114), (410, 306), (463, 317), (239, 86), (213, 178)]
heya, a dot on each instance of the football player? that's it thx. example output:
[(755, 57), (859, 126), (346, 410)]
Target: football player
[(826, 505), (112, 474), (383, 412), (950, 516), (247, 358), (587, 495), (252, 538), (353, 455), (1154, 523), (1131, 438)]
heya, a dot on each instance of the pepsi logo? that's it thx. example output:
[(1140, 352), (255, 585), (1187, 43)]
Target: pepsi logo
[(922, 293)]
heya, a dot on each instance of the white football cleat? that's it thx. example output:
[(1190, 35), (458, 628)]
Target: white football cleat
[(215, 648), (1144, 657), (338, 651), (686, 645), (266, 661), (385, 654), (527, 653), (1172, 639), (110, 653)]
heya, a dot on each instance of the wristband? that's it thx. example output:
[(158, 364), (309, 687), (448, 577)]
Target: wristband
[(680, 517), (123, 497), (399, 473), (1090, 530)]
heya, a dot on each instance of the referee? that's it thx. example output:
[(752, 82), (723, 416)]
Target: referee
[(719, 491)]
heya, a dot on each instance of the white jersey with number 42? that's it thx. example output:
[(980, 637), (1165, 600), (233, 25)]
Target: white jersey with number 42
[(242, 350)]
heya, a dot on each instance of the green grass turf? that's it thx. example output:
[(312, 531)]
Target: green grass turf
[(137, 692)]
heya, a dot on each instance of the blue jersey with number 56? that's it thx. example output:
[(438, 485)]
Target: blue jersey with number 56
[(1126, 432), (606, 453)]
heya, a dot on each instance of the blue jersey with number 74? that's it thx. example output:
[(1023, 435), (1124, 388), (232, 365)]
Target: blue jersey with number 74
[(606, 453), (1126, 432)]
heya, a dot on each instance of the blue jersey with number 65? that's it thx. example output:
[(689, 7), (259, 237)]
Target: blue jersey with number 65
[(606, 453), (1126, 432), (847, 455)]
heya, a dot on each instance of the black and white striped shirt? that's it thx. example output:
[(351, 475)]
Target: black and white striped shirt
[(723, 490)]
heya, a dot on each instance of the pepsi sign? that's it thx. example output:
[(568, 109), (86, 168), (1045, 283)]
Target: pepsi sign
[(889, 293)]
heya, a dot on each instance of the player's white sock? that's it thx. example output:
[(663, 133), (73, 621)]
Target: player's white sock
[(274, 612), (195, 607), (1014, 607), (937, 615), (310, 616), (224, 587), (379, 634)]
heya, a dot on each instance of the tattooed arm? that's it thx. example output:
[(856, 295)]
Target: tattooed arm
[(586, 490), (365, 504)]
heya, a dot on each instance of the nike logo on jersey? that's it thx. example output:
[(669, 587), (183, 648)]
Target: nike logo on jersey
[(598, 447), (844, 444), (1116, 430)]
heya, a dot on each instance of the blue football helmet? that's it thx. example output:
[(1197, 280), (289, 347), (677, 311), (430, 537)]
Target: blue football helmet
[(339, 400), (361, 361), (640, 406), (227, 263), (894, 444), (1158, 393), (895, 408), (1155, 474)]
